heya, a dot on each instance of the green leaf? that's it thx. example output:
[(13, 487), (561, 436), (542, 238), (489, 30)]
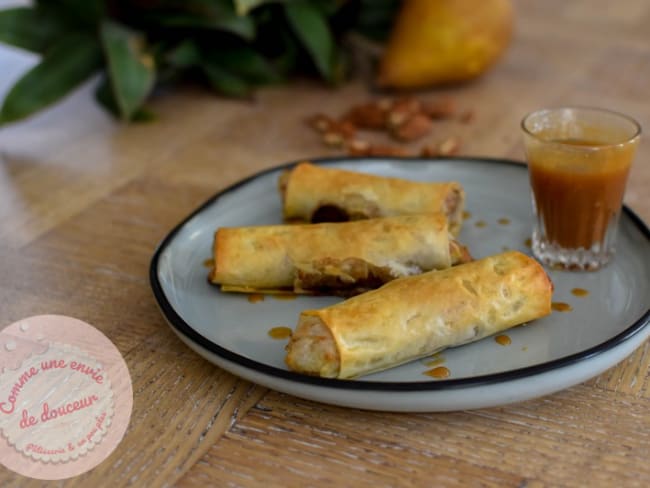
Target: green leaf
[(240, 26), (311, 27), (205, 14), (225, 82), (246, 63), (327, 7), (286, 61), (131, 68), (104, 96), (28, 28), (244, 6), (81, 12), (184, 55), (376, 17), (68, 63)]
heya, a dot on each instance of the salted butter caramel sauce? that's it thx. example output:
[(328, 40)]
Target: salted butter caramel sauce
[(580, 292), (503, 340), (255, 297), (578, 197), (561, 307), (438, 372), (280, 332)]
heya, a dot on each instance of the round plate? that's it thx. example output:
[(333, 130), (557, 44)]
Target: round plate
[(544, 356)]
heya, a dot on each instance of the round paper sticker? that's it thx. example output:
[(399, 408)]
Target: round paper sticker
[(65, 397)]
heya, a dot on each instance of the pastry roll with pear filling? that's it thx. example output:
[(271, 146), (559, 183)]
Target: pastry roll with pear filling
[(338, 258), (315, 194), (417, 316)]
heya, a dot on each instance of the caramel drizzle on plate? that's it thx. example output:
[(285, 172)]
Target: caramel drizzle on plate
[(580, 292), (255, 297), (503, 340), (438, 372), (281, 332), (561, 307)]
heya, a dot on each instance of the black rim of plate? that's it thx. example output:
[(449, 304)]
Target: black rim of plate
[(186, 330)]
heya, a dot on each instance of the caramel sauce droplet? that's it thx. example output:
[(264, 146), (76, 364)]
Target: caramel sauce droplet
[(561, 307), (504, 221), (528, 242), (503, 340), (255, 297), (280, 332), (525, 348), (580, 292), (467, 214), (480, 223), (209, 263), (439, 372)]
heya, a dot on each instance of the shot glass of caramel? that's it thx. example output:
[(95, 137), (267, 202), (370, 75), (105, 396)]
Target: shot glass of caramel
[(578, 162)]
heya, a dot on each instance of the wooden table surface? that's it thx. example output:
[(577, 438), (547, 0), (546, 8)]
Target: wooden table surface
[(85, 200)]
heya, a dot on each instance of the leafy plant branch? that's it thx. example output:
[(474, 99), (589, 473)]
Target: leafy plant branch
[(232, 46)]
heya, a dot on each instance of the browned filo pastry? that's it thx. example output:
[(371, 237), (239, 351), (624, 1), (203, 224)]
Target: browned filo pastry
[(416, 316), (340, 258), (313, 193)]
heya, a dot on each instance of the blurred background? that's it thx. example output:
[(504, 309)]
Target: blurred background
[(104, 91)]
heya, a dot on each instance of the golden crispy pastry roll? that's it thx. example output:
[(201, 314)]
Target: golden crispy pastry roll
[(317, 194), (416, 316), (341, 258)]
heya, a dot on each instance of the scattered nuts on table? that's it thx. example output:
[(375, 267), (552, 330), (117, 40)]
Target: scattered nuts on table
[(405, 119)]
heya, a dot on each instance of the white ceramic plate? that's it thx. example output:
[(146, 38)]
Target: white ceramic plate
[(550, 354)]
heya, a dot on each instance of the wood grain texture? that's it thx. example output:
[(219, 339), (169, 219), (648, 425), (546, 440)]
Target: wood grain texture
[(631, 376), (84, 201), (556, 440)]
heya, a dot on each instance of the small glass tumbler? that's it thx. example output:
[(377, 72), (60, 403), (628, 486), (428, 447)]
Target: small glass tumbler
[(578, 163)]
